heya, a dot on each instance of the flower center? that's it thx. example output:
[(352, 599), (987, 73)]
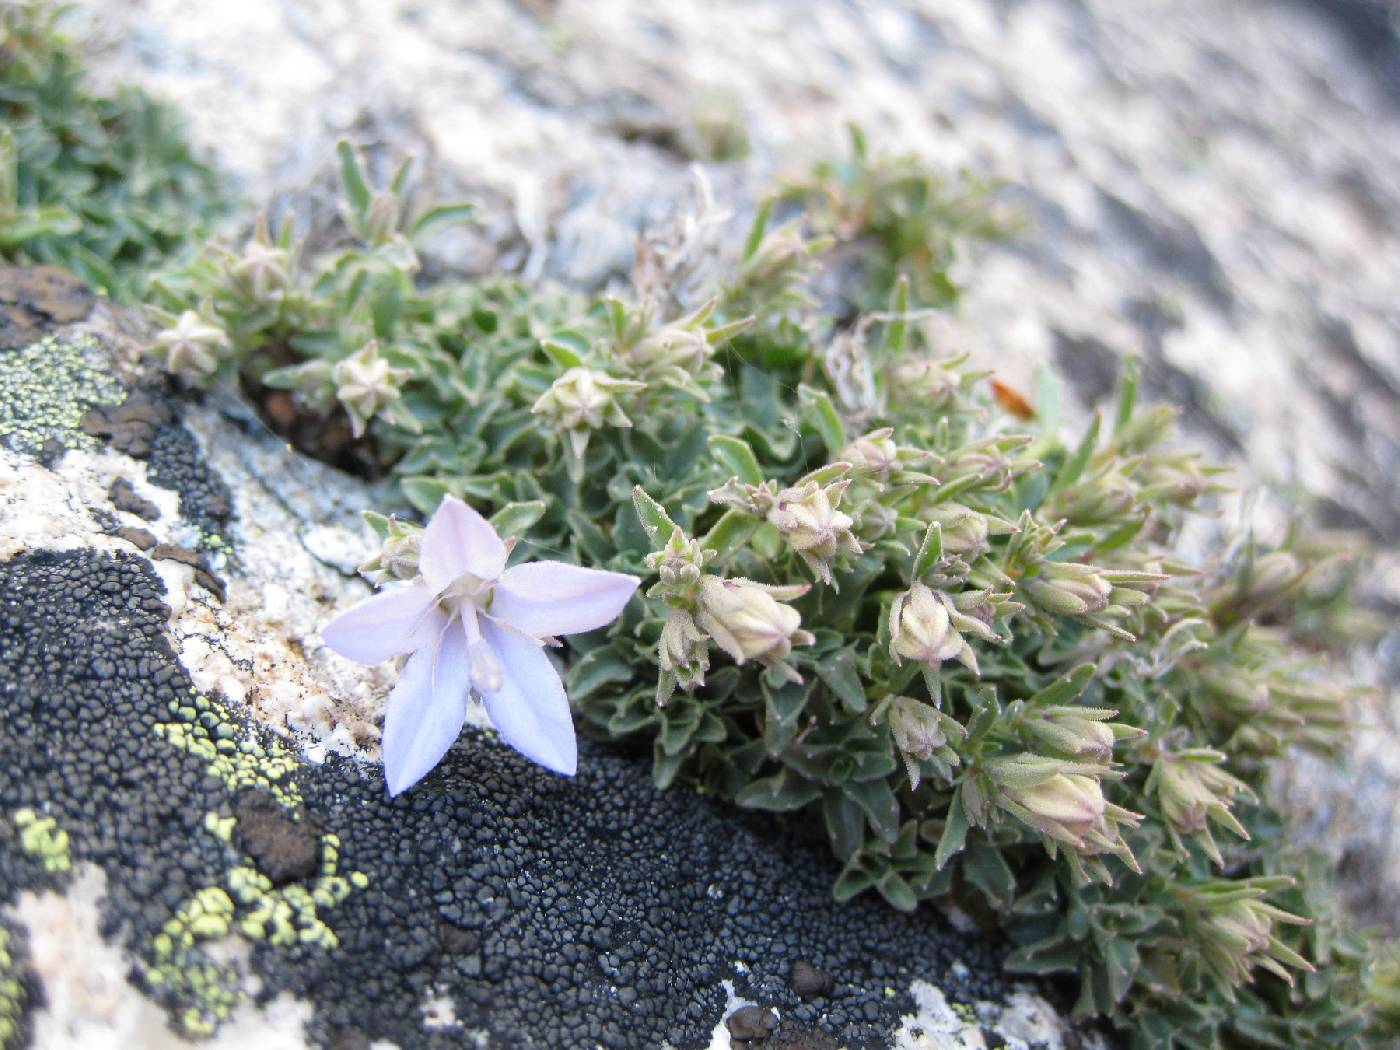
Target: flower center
[(466, 590)]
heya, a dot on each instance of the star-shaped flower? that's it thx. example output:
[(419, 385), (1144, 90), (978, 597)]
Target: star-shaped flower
[(472, 624)]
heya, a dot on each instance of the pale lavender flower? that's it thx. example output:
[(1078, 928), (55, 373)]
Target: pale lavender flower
[(472, 624)]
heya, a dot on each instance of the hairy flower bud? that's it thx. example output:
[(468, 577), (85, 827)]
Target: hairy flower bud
[(964, 531), (921, 629), (1068, 588), (1080, 732), (365, 384), (684, 650), (582, 400), (1065, 806), (808, 520), (1192, 789), (398, 556), (748, 622), (263, 272), (917, 730), (1236, 932), (875, 452), (192, 349)]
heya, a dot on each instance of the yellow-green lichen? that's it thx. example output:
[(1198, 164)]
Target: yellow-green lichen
[(220, 827), (290, 914), (208, 991), (43, 837), (47, 387), (12, 995), (207, 728)]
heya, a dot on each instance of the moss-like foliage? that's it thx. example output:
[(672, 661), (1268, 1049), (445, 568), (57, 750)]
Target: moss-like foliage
[(888, 596), (103, 185)]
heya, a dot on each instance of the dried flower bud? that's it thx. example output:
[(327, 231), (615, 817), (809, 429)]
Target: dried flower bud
[(748, 622), (365, 384), (192, 349), (921, 629)]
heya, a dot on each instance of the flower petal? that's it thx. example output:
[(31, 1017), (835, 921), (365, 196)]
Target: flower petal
[(458, 541), (385, 625), (552, 597), (426, 710), (530, 710)]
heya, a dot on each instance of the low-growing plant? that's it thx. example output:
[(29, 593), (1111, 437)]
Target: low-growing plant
[(106, 186), (969, 651)]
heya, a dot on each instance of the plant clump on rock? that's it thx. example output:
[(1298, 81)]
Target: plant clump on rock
[(883, 592)]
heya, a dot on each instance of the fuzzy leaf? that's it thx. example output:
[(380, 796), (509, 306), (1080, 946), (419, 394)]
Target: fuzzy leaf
[(736, 457), (784, 791)]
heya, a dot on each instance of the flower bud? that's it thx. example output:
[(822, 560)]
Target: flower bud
[(747, 621), (1236, 933), (921, 630), (365, 385), (1065, 806), (1192, 789), (1077, 732), (398, 556), (191, 348), (684, 650), (585, 398), (264, 271), (1068, 588), (671, 347), (808, 520), (964, 531)]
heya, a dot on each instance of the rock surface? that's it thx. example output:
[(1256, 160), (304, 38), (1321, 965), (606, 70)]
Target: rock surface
[(195, 840)]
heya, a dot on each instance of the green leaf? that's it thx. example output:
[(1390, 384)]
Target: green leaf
[(597, 669), (854, 879), (441, 217), (1127, 393), (1067, 688), (352, 179), (845, 823), (758, 228), (821, 414), (897, 891), (729, 533), (566, 349), (897, 333), (1074, 466), (735, 456), (879, 805), (516, 518), (782, 792), (653, 516), (930, 551), (841, 675), (986, 868), (954, 834), (664, 767), (783, 711)]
